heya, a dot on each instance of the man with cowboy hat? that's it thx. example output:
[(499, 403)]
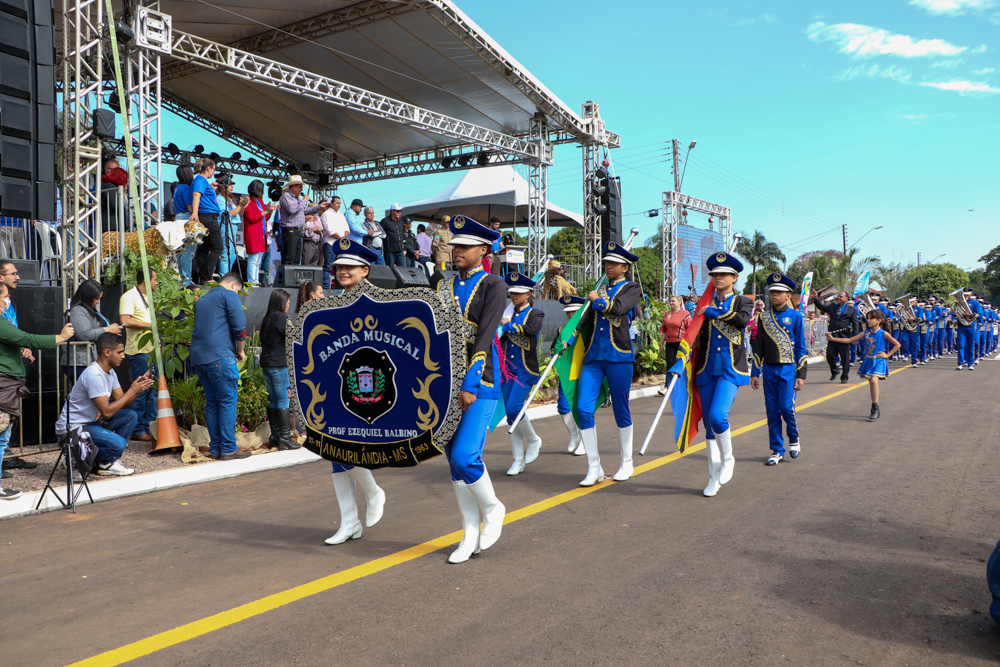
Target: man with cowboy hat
[(292, 218)]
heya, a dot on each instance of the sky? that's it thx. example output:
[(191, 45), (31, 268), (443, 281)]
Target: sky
[(808, 115)]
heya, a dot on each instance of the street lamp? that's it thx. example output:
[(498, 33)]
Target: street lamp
[(938, 257), (865, 234), (686, 156)]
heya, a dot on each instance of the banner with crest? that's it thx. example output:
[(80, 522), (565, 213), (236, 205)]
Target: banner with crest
[(376, 374)]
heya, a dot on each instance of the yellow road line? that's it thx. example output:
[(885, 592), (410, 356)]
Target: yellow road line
[(218, 621)]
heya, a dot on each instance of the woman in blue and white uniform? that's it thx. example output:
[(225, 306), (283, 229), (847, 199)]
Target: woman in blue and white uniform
[(723, 367), (481, 297), (519, 342), (351, 264), (608, 357)]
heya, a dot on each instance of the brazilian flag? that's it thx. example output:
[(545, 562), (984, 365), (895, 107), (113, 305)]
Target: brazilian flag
[(571, 361)]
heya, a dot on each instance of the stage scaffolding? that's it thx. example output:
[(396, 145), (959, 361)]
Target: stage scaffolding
[(160, 53), (674, 206)]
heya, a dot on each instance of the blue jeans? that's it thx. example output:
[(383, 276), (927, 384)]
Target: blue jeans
[(265, 264), (328, 257), (220, 380), (395, 258), (276, 380), (111, 440), (381, 260), (4, 439), (185, 262), (228, 259), (253, 267), (144, 405)]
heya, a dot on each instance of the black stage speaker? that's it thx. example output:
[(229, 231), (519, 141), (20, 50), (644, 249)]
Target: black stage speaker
[(30, 276), (439, 276), (611, 220), (293, 275), (104, 123), (410, 276), (17, 198), (382, 276)]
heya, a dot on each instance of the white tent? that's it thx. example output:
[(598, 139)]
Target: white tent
[(490, 192)]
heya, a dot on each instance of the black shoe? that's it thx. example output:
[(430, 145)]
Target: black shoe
[(833, 375), (238, 454), (284, 416), (273, 441), (9, 494), (6, 475), (14, 464), (875, 412), (843, 380)]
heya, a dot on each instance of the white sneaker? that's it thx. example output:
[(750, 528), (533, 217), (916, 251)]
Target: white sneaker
[(114, 469)]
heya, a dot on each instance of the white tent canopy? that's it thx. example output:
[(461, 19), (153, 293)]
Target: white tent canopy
[(491, 192)]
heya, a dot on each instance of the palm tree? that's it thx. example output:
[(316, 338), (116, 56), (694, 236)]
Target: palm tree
[(759, 252), (895, 279), (822, 268), (848, 268)]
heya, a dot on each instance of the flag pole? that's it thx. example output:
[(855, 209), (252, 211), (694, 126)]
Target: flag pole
[(552, 361), (673, 380)]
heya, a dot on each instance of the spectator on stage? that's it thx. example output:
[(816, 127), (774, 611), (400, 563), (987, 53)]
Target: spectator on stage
[(230, 220), (441, 245), (308, 292), (89, 324), (217, 346), (392, 246), (312, 241), (255, 224), (410, 248), (183, 200), (356, 221), (335, 227), (114, 174), (98, 404), (12, 343), (843, 321), (205, 205), (424, 242), (133, 311), (373, 240), (492, 263), (293, 212)]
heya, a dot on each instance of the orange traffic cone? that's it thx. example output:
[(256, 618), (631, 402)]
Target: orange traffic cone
[(167, 435)]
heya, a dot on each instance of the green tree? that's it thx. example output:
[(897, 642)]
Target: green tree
[(849, 267), (648, 271), (895, 279), (991, 274), (759, 252), (756, 280), (940, 279), (817, 261), (977, 282), (567, 242)]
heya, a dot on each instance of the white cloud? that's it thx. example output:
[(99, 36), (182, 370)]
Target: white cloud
[(982, 48), (862, 41), (948, 63), (963, 87), (921, 118), (985, 70), (874, 72), (764, 18), (953, 7)]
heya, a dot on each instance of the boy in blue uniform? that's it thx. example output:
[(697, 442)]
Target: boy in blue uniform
[(779, 353), (519, 342), (570, 305), (966, 339)]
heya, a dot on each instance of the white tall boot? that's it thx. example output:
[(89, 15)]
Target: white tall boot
[(533, 443), (374, 495), (595, 473), (517, 448), (493, 510), (469, 507), (350, 524), (575, 444), (626, 469), (714, 467), (728, 460)]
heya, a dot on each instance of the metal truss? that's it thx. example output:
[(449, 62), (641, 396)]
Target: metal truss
[(591, 219), (82, 67), (674, 206), (538, 197), (421, 162), (317, 27), (327, 162), (143, 82), (271, 73), (223, 164)]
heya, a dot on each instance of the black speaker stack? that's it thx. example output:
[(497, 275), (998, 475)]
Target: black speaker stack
[(39, 312), (293, 275), (27, 109)]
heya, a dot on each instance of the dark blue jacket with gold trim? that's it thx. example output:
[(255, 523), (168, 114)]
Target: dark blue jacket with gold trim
[(520, 342), (608, 322), (781, 339), (723, 341), (482, 298)]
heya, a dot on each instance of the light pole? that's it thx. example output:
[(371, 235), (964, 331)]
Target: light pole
[(853, 245), (684, 171)]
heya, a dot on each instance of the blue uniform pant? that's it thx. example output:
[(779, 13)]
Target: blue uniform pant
[(465, 451), (717, 396), (965, 345), (993, 580), (854, 351), (913, 346), (515, 393), (779, 401), (619, 375), (942, 335), (922, 354), (563, 406), (951, 340)]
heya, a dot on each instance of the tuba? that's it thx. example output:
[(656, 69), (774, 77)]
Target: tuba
[(865, 304), (905, 313), (963, 314)]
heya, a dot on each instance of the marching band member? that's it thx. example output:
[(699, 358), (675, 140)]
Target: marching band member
[(519, 343), (779, 353), (571, 304), (351, 264), (981, 334), (924, 315), (966, 334), (913, 347), (481, 298), (941, 313), (723, 365), (608, 356), (874, 367)]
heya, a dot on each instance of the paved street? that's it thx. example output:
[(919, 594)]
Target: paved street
[(869, 549)]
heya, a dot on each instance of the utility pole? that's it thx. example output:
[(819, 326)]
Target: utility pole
[(677, 157), (843, 228)]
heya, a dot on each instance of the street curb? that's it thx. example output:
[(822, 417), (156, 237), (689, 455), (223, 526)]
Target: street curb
[(120, 487)]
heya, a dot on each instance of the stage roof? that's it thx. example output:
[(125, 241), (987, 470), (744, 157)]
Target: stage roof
[(423, 52)]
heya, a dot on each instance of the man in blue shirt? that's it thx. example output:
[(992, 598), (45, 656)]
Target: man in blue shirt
[(217, 345), (356, 221)]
